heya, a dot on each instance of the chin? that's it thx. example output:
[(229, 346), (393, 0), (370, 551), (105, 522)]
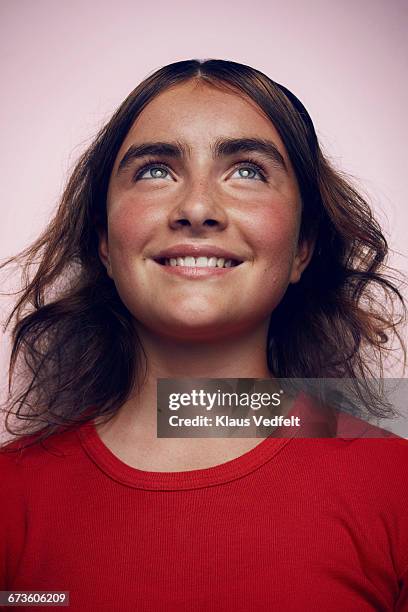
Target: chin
[(192, 326)]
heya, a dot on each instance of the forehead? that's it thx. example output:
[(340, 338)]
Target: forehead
[(198, 113)]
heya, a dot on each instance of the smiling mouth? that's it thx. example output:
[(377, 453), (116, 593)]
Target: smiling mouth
[(198, 262)]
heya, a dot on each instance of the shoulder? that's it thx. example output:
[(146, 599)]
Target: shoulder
[(358, 472), (29, 457), (321, 420), (356, 450), (378, 450), (10, 475)]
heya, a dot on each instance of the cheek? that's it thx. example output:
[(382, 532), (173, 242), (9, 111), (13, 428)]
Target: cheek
[(275, 234), (130, 227)]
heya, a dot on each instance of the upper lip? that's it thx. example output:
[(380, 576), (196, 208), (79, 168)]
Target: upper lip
[(195, 250)]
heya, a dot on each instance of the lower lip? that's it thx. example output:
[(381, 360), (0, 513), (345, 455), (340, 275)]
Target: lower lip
[(195, 272)]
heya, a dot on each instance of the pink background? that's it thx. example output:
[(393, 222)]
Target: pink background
[(67, 65)]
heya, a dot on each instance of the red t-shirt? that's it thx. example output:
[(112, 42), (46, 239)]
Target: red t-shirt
[(293, 524)]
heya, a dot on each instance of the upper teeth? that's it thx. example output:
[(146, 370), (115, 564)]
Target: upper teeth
[(200, 262)]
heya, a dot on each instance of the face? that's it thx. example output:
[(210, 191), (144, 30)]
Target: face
[(203, 216)]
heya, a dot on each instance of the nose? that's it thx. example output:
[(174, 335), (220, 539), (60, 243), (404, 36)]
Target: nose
[(198, 210)]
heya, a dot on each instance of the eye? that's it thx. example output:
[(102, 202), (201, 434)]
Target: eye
[(249, 170), (152, 171)]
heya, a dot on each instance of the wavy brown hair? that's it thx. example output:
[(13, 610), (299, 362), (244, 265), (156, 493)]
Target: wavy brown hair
[(75, 354)]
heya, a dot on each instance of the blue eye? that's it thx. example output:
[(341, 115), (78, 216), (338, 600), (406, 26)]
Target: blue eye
[(153, 171), (251, 171)]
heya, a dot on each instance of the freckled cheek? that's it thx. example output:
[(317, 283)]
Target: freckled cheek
[(274, 234), (130, 226)]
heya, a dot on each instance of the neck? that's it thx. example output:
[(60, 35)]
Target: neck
[(240, 356), (234, 357)]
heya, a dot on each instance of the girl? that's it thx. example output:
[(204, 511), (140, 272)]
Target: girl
[(202, 235)]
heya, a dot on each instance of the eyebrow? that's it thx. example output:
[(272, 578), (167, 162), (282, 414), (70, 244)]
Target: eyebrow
[(223, 147)]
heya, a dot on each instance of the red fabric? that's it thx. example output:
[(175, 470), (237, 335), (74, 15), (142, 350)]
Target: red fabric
[(293, 525)]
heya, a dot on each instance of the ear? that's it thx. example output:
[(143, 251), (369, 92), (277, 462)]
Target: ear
[(302, 258), (103, 249)]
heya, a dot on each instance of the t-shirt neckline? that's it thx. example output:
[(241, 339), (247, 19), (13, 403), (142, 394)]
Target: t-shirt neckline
[(230, 470)]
